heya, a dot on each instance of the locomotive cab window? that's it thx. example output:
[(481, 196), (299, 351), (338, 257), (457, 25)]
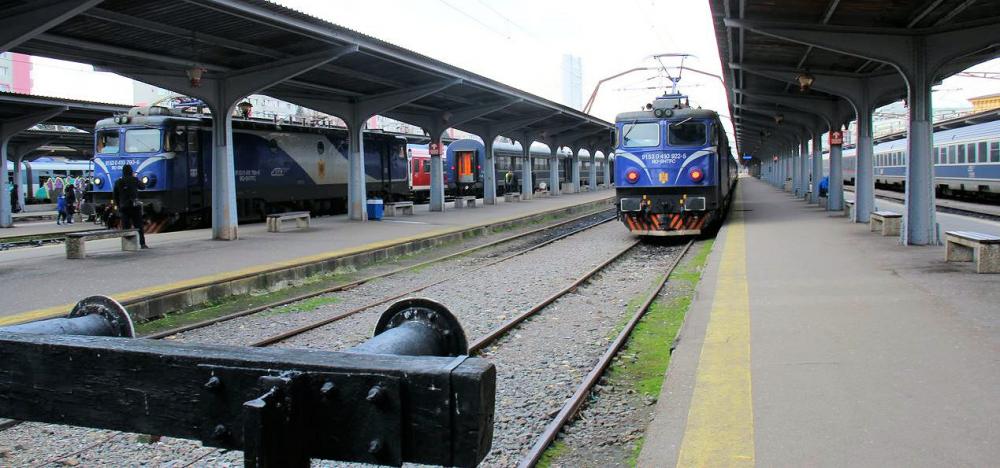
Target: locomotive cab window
[(146, 140), (108, 141), (638, 135), (687, 133)]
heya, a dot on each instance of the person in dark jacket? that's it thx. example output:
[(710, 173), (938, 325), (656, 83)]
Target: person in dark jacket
[(70, 194), (126, 196)]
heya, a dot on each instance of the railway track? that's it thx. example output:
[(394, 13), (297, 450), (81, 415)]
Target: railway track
[(573, 405), (355, 283), (494, 335)]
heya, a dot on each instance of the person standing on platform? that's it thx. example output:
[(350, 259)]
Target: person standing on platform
[(60, 209), (508, 179), (70, 196), (126, 197)]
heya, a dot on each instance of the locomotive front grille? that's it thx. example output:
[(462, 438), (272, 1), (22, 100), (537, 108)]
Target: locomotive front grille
[(631, 204), (694, 204)]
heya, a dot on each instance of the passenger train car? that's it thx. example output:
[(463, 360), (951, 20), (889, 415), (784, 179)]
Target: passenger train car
[(465, 160), (675, 169), (36, 172), (277, 169), (966, 162)]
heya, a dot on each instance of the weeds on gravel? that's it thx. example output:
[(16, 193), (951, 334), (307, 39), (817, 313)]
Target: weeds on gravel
[(554, 451), (302, 306), (642, 363)]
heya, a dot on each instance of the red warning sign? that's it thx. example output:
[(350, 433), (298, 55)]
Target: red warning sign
[(836, 138)]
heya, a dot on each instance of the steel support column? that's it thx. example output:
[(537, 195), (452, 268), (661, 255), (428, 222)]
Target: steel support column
[(490, 176), (554, 188), (527, 187), (835, 192), (9, 128), (592, 170), (919, 58), (817, 165), (221, 92)]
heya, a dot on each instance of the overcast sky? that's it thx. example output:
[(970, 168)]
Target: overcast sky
[(521, 43)]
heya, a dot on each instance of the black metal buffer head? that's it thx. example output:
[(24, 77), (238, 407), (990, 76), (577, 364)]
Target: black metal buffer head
[(410, 394)]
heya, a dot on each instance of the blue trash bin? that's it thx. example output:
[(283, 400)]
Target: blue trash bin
[(375, 209)]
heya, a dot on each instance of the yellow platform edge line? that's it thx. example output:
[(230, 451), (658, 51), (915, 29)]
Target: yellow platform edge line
[(719, 430), (126, 296)]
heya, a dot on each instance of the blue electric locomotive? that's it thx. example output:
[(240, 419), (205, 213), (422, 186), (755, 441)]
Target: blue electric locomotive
[(277, 168), (674, 170)]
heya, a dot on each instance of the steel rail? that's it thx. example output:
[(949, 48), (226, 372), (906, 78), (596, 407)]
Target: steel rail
[(312, 326), (492, 336), (355, 283), (574, 403)]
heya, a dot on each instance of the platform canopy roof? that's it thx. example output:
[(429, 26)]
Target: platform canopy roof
[(761, 64), (233, 37), (75, 113)]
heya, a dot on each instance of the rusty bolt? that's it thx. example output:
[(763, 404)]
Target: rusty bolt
[(375, 446), (376, 395), (213, 383)]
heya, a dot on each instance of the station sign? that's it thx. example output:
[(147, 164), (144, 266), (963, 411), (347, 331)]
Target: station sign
[(836, 138), (434, 148)]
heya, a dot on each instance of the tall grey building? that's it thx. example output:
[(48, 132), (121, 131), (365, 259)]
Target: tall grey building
[(572, 81)]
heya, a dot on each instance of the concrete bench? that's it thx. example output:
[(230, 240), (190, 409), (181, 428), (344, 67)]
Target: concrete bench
[(542, 193), (76, 242), (404, 207), (888, 222), (512, 197), (465, 202), (849, 209), (965, 246), (274, 220)]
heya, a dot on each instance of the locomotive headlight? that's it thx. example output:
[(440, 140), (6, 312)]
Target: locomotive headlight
[(98, 181), (149, 180), (632, 176), (696, 174)]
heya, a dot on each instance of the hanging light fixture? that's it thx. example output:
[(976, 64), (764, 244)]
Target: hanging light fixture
[(805, 81), (194, 74), (245, 108)]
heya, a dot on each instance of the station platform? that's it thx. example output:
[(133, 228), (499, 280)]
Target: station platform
[(813, 342), (40, 282)]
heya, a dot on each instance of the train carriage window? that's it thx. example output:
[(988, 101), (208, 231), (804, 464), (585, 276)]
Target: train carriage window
[(427, 166), (983, 152), (951, 154), (995, 151), (637, 135), (108, 141), (961, 154), (144, 140), (320, 147), (686, 133), (937, 156), (970, 149)]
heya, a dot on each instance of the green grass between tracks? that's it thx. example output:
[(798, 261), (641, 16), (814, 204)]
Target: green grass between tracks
[(642, 363)]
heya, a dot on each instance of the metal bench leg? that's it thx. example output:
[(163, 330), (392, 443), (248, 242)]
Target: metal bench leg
[(130, 243), (75, 248)]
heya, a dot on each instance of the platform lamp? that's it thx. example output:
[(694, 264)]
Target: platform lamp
[(805, 81), (194, 74), (245, 108)]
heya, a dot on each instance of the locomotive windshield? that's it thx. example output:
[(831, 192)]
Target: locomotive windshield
[(687, 133), (107, 141), (145, 140), (636, 135)]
